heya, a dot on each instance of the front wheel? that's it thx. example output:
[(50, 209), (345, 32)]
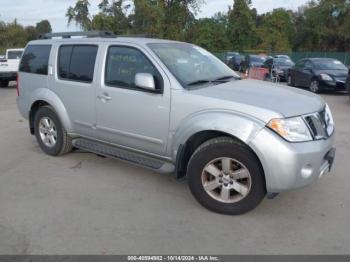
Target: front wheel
[(314, 86), (290, 81), (49, 132), (225, 176)]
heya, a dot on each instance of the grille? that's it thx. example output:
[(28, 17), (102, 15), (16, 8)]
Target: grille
[(317, 124)]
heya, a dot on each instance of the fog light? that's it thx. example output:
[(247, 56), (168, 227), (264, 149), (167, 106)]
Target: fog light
[(306, 171)]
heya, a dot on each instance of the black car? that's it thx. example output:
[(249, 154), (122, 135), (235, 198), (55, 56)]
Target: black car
[(235, 62), (252, 61), (318, 74), (228, 56), (278, 68)]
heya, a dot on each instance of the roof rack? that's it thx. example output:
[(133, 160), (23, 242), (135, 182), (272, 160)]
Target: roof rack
[(105, 34)]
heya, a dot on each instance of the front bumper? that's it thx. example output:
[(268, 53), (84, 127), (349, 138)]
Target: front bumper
[(292, 165), (333, 85)]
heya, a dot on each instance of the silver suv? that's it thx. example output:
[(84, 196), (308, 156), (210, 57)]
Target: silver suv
[(175, 108)]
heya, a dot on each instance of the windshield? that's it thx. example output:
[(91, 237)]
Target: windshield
[(14, 54), (284, 62), (329, 65), (191, 64), (257, 59)]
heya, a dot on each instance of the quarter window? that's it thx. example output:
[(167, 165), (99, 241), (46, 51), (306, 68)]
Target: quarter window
[(77, 62), (35, 59), (123, 63)]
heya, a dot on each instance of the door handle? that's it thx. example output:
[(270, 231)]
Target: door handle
[(104, 97)]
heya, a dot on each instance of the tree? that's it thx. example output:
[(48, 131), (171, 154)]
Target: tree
[(241, 25), (43, 27), (276, 31), (80, 14), (112, 17), (210, 33)]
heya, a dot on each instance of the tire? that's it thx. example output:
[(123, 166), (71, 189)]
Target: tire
[(290, 80), (235, 203), (61, 143), (4, 83), (314, 86)]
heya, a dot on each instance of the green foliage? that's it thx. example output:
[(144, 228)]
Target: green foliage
[(43, 27), (241, 27), (276, 31)]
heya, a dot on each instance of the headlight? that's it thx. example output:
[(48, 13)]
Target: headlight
[(326, 77), (292, 129)]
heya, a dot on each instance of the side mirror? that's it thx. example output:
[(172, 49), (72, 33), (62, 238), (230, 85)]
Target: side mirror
[(145, 81)]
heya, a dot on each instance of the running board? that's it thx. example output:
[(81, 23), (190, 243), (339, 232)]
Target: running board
[(107, 150)]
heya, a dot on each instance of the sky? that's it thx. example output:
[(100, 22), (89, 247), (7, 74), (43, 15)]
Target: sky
[(29, 12)]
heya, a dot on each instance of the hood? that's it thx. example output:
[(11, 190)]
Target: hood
[(257, 64), (283, 100), (334, 73)]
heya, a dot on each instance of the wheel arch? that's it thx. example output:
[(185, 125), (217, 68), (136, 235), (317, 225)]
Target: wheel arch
[(239, 128), (45, 97)]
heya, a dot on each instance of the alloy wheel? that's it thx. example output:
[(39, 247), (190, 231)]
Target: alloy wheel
[(226, 180)]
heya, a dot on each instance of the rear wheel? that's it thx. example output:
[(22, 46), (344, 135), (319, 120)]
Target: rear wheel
[(50, 134), (4, 83), (226, 177)]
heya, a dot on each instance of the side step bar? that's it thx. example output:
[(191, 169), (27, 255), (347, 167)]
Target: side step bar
[(107, 150)]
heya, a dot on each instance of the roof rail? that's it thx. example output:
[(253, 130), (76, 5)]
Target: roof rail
[(140, 35), (105, 34)]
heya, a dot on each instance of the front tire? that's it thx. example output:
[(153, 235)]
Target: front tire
[(50, 134), (314, 86), (290, 80), (226, 177)]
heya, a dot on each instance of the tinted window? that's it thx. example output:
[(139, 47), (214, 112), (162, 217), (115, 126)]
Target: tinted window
[(77, 62), (330, 65), (300, 64), (14, 54), (35, 59), (123, 63)]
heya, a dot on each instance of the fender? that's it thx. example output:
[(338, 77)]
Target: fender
[(45, 94), (243, 127)]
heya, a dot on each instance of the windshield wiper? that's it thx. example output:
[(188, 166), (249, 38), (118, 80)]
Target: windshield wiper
[(199, 82), (225, 78)]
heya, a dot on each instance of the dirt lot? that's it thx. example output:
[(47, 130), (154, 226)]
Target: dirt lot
[(84, 204)]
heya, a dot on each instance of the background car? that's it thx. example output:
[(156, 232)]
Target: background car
[(283, 56), (235, 62), (318, 74), (278, 68), (252, 61), (228, 56)]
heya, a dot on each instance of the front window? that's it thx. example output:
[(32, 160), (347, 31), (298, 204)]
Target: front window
[(330, 65), (191, 64)]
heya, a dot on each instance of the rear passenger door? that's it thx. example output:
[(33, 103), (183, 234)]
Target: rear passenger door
[(74, 81), (128, 115)]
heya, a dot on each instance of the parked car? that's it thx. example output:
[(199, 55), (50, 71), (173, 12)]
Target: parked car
[(235, 62), (229, 55), (318, 74), (149, 102), (283, 57), (9, 66), (252, 61), (277, 68)]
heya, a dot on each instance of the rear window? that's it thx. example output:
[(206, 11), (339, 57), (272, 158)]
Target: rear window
[(14, 54), (35, 59), (77, 62)]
